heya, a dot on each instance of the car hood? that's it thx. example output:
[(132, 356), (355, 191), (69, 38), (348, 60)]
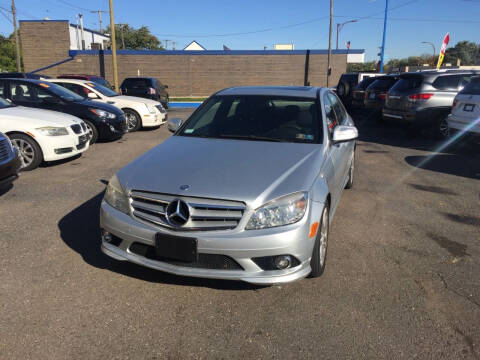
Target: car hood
[(46, 117), (250, 171), (135, 99), (100, 105)]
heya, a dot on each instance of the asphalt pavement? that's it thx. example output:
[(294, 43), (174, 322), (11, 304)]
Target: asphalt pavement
[(402, 278)]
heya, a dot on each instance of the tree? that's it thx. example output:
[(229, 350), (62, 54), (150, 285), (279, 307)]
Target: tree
[(466, 51), (7, 53), (359, 67), (135, 39)]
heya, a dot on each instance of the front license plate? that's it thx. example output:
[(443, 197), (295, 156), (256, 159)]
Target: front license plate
[(469, 107), (176, 247), (372, 96)]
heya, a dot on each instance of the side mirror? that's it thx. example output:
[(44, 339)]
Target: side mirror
[(174, 124), (92, 95), (344, 133)]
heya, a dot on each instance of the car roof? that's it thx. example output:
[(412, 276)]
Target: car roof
[(81, 75), (294, 91), (73, 81), (34, 81), (140, 77)]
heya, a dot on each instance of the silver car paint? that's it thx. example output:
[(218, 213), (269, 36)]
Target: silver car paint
[(254, 172)]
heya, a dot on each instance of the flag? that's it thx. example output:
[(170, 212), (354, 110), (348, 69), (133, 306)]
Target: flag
[(347, 45), (226, 48), (441, 56)]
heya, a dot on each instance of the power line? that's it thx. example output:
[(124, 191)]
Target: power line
[(73, 6), (5, 16)]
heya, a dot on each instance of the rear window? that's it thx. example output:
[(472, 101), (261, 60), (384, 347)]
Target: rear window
[(473, 88), (408, 83), (137, 83), (365, 83), (446, 82), (382, 84)]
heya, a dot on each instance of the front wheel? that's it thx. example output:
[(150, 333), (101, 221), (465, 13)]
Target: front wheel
[(30, 153), (134, 122), (92, 131), (319, 255), (351, 172)]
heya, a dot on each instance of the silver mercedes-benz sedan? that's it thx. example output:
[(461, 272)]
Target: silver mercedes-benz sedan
[(245, 188)]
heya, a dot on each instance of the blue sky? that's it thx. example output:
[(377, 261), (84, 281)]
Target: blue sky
[(302, 22)]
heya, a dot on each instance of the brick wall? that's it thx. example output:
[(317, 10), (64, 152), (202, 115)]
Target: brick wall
[(186, 75)]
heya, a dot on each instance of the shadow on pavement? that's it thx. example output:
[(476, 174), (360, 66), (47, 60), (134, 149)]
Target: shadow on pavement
[(5, 189), (80, 230), (468, 167)]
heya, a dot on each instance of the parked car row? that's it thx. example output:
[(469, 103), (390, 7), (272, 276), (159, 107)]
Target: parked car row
[(54, 119), (422, 100)]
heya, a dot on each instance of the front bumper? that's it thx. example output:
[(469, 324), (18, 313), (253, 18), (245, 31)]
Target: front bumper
[(52, 145), (112, 129), (239, 245), (9, 171)]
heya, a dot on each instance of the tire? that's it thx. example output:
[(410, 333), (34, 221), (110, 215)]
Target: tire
[(351, 173), (134, 122), (443, 130), (319, 254), (92, 130), (31, 154)]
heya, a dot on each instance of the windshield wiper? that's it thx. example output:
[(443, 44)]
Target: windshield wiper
[(248, 137)]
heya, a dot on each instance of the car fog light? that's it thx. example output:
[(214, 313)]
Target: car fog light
[(106, 236), (282, 262)]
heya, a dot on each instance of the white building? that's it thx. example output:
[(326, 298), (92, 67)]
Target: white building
[(93, 40), (194, 46), (356, 56), (283, 47)]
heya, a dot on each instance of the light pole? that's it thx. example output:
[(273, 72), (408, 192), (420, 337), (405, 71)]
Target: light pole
[(340, 27), (433, 46), (384, 35), (329, 70)]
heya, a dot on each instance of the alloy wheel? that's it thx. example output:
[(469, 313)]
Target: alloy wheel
[(90, 131), (25, 150), (323, 237), (131, 121)]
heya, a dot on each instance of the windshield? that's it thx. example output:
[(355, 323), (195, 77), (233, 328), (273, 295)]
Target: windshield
[(65, 94), (135, 83), (4, 103), (102, 89), (365, 83), (262, 118), (101, 81)]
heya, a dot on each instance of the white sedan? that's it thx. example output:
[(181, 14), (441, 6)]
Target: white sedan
[(42, 135), (465, 116), (139, 112)]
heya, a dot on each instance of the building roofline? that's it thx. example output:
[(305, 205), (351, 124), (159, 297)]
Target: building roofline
[(195, 41), (90, 30), (74, 53), (43, 21)]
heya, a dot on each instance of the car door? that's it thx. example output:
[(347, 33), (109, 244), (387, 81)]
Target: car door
[(345, 148), (334, 151)]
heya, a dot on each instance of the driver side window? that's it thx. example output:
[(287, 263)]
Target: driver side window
[(330, 117)]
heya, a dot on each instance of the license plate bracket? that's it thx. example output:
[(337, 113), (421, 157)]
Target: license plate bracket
[(468, 107), (176, 247)]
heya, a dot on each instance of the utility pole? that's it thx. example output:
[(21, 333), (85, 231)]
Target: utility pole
[(173, 45), (99, 12), (329, 70), (80, 17), (114, 48), (340, 27), (166, 43), (384, 32), (17, 41)]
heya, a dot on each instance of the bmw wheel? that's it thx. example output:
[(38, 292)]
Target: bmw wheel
[(319, 255), (29, 151)]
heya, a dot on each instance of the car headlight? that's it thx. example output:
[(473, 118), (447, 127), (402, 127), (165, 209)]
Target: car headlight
[(115, 196), (151, 108), (103, 114), (52, 131), (282, 211)]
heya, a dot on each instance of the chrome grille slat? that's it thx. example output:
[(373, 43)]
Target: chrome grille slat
[(205, 214)]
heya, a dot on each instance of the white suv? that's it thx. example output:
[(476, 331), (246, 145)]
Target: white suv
[(42, 135), (465, 114), (139, 112)]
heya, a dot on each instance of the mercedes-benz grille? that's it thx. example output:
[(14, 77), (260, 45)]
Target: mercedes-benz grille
[(201, 214)]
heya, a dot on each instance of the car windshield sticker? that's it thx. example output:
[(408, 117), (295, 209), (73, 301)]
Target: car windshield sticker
[(188, 131), (44, 85), (304, 136)]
